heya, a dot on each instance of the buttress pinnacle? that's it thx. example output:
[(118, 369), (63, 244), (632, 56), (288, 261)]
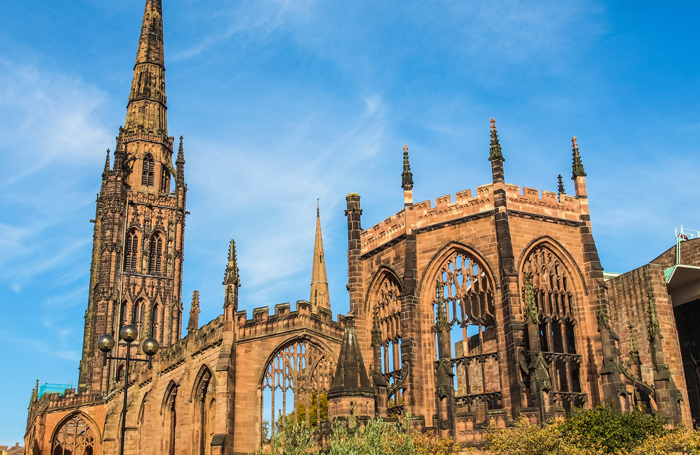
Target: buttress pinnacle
[(406, 175), (495, 152), (577, 166)]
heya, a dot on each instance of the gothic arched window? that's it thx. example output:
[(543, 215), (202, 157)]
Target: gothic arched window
[(205, 406), (73, 438), (165, 181), (122, 315), (553, 294), (156, 254), (464, 309), (137, 317), (295, 384), (154, 321), (386, 336), (131, 251), (148, 168)]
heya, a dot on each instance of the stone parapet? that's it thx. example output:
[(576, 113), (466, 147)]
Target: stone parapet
[(265, 322)]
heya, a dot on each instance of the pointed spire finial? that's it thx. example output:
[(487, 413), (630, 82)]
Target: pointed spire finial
[(318, 207), (193, 323), (577, 165), (406, 175), (531, 313), (603, 318), (180, 163), (495, 152), (231, 275), (441, 322), (561, 184), (376, 330), (107, 162)]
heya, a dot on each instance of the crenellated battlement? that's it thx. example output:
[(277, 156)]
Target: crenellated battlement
[(69, 399), (426, 214), (465, 204), (548, 204), (384, 232), (265, 322)]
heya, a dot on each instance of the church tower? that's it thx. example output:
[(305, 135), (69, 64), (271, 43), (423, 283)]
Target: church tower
[(136, 269), (320, 297)]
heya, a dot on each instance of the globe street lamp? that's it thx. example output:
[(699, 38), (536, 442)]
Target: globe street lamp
[(150, 347)]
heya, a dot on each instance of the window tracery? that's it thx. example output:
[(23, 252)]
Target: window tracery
[(386, 337), (131, 251), (554, 298), (295, 385), (156, 254), (464, 307), (75, 437), (148, 169)]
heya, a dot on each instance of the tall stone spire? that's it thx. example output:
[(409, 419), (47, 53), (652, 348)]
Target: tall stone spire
[(319, 281), (147, 101)]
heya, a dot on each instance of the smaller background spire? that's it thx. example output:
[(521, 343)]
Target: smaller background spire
[(561, 184)]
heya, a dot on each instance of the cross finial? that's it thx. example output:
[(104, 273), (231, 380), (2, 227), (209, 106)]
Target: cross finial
[(493, 124), (574, 141), (318, 207)]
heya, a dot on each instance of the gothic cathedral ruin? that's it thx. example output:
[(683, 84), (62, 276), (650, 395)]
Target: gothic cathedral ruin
[(480, 309)]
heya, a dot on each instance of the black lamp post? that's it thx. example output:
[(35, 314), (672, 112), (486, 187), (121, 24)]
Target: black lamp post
[(150, 347)]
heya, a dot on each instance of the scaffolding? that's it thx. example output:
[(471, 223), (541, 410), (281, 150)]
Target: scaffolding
[(60, 389)]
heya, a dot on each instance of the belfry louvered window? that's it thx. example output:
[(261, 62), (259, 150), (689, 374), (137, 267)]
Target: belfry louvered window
[(148, 168), (156, 254), (131, 251)]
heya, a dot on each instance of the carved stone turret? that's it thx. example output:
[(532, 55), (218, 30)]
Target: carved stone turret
[(351, 394)]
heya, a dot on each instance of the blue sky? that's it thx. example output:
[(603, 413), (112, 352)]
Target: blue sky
[(283, 102)]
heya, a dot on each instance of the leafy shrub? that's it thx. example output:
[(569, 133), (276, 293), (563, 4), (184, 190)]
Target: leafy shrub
[(611, 431), (525, 438), (679, 441)]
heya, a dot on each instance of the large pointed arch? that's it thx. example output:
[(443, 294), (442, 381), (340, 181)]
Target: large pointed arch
[(385, 307), (557, 290), (205, 374), (76, 434), (203, 399), (295, 381), (459, 295), (561, 252)]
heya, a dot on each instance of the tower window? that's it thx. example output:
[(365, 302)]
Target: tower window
[(154, 266), (147, 173), (165, 181), (131, 251)]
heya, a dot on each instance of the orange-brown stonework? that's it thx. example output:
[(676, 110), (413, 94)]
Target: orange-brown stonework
[(485, 306)]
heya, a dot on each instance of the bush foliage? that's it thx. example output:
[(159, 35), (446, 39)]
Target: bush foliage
[(375, 437), (598, 431)]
